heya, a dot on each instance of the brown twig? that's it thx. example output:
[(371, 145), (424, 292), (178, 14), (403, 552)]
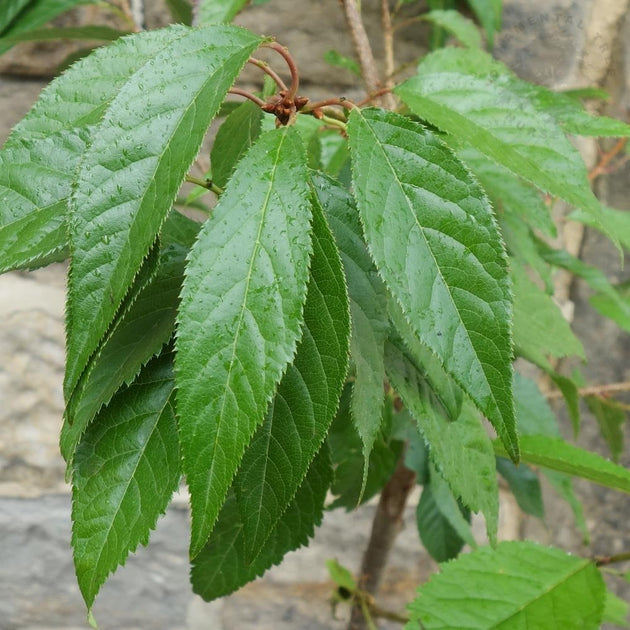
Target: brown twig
[(246, 94), (371, 97), (388, 43), (385, 527), (605, 159), (595, 390), (361, 45), (295, 75), (601, 561), (266, 68)]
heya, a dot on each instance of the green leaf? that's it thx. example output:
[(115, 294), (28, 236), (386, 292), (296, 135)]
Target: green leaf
[(368, 308), (611, 419), (516, 585), (38, 162), (235, 136), (563, 485), (181, 10), (456, 24), (346, 451), (138, 333), (488, 12), (126, 469), (533, 413), (9, 9), (306, 401), (461, 450), (240, 316), (76, 417), (615, 610), (341, 576), (437, 535), (617, 220), (334, 155), (540, 450), (34, 15), (105, 33), (216, 11), (337, 60), (432, 234), (498, 120), (524, 485), (220, 569), (540, 329), (571, 398), (508, 193), (130, 174)]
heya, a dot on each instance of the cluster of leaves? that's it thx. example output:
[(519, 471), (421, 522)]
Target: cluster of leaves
[(359, 291)]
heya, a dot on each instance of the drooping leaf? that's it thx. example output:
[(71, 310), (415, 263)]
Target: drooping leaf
[(516, 585), (33, 15), (432, 234), (501, 122), (437, 534), (126, 469), (346, 451), (541, 450), (305, 403), (39, 160), (181, 10), (219, 569), (368, 308), (456, 24), (130, 174), (617, 220), (216, 11), (140, 331), (460, 449), (95, 31), (611, 418), (524, 485), (240, 316), (235, 136), (488, 12), (571, 397), (565, 109), (76, 420), (540, 329)]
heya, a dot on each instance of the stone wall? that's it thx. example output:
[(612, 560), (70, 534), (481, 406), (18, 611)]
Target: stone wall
[(557, 42)]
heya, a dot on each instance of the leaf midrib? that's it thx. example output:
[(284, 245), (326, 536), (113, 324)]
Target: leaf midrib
[(378, 143), (255, 250)]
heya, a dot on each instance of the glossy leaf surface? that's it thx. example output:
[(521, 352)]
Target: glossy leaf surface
[(126, 470), (216, 11), (220, 568), (517, 585), (130, 174), (305, 403), (460, 449), (434, 239), (501, 122), (39, 160), (240, 316), (368, 308)]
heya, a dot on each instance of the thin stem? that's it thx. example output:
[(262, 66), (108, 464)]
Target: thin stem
[(602, 166), (376, 94), (601, 561), (295, 75), (205, 183), (246, 94), (385, 527), (339, 101), (596, 390), (266, 68), (361, 45), (407, 22), (334, 122)]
